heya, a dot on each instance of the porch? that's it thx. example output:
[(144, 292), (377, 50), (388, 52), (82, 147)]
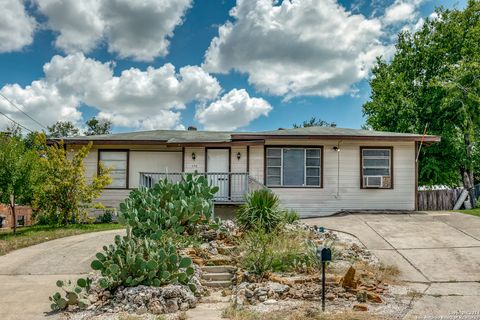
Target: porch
[(233, 186)]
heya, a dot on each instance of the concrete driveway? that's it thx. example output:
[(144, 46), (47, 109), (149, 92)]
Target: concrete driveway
[(437, 253), (28, 276)]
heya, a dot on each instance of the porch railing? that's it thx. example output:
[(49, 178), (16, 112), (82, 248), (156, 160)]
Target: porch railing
[(232, 185)]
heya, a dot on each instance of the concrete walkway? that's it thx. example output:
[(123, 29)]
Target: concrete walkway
[(28, 276), (437, 253)]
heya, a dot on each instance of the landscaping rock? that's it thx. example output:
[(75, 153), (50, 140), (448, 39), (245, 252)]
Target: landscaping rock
[(348, 280), (143, 299), (374, 297), (360, 307), (330, 296), (271, 302)]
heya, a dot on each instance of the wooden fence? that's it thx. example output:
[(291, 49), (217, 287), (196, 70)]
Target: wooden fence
[(437, 199)]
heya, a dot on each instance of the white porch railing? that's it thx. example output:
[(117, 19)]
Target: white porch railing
[(232, 185)]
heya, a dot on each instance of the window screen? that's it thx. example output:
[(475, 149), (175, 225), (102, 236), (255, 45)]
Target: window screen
[(294, 167), (376, 168), (117, 162)]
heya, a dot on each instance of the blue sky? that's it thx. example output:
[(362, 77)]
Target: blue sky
[(262, 73)]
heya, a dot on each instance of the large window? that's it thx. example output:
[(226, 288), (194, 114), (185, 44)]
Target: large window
[(377, 168), (294, 167), (117, 161)]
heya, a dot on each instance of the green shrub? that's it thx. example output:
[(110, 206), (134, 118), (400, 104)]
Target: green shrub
[(134, 261), (277, 251), (290, 216), (74, 295), (178, 206), (107, 216), (257, 247), (261, 210)]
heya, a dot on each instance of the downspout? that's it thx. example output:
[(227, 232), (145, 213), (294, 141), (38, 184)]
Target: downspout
[(337, 149)]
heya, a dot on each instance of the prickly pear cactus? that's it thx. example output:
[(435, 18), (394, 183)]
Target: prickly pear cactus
[(169, 206), (74, 294), (142, 261)]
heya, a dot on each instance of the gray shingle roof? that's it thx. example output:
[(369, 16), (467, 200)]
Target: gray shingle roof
[(186, 136)]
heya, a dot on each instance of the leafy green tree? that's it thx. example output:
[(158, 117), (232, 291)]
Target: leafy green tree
[(314, 122), (19, 172), (96, 127), (433, 80), (62, 129), (66, 193)]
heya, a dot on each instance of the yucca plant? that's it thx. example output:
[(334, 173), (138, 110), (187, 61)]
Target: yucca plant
[(261, 210)]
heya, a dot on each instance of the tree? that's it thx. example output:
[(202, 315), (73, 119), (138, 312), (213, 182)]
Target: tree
[(314, 122), (433, 80), (19, 168), (14, 130), (96, 127), (66, 193), (62, 129)]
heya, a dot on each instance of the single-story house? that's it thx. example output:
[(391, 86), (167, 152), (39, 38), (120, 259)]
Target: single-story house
[(316, 171)]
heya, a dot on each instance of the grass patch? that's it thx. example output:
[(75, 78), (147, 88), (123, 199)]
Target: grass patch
[(29, 236), (473, 212), (303, 313)]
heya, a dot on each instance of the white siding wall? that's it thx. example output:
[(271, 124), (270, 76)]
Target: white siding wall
[(238, 165), (151, 161), (238, 182), (142, 158), (341, 189), (195, 165)]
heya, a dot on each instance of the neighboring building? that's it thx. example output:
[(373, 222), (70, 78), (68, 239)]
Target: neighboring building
[(316, 171), (22, 213)]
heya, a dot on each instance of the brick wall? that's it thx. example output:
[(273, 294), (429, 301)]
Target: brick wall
[(21, 211)]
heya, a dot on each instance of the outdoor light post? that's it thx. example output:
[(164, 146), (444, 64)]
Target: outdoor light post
[(324, 255)]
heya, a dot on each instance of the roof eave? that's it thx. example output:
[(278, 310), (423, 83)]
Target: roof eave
[(338, 137)]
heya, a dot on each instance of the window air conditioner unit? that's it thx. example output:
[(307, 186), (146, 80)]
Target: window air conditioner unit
[(373, 181)]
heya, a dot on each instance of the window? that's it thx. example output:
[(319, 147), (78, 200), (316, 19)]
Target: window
[(117, 162), (294, 167), (20, 221), (377, 168)]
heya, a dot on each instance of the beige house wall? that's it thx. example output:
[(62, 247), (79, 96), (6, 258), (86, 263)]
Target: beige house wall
[(341, 174)]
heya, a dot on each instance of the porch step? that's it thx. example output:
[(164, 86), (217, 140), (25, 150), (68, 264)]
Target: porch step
[(219, 260), (217, 276), (218, 269), (217, 284), (224, 276)]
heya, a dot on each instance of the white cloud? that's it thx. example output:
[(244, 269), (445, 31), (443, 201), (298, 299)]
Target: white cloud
[(401, 11), (78, 23), (308, 47), (130, 29), (147, 99), (232, 111), (16, 26)]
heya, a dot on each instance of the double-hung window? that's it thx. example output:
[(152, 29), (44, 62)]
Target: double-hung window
[(293, 167), (117, 162), (377, 167)]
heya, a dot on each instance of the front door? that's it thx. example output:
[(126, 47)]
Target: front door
[(218, 165)]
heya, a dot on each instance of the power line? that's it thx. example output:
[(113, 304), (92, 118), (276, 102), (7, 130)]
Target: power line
[(13, 104), (18, 124)]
